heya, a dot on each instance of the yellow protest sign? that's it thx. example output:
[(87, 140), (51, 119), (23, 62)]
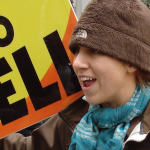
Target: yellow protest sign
[(36, 76)]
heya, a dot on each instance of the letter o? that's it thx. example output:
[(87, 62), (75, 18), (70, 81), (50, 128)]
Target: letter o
[(10, 32)]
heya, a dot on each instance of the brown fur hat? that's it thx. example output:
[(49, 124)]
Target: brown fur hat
[(119, 28)]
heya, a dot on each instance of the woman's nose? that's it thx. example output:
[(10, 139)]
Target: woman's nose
[(80, 61)]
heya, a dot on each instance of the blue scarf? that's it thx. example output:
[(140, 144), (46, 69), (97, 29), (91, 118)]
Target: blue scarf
[(113, 122)]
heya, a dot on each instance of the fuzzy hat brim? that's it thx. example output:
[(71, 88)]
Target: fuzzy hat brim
[(120, 41)]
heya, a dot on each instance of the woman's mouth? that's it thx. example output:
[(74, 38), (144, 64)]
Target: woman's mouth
[(87, 82)]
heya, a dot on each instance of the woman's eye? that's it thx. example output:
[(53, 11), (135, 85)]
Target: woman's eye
[(76, 50), (94, 51)]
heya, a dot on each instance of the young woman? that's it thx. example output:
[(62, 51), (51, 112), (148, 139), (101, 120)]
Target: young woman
[(112, 62)]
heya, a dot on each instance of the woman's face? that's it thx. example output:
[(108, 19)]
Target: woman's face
[(103, 79)]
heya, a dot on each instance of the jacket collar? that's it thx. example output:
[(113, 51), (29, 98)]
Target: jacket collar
[(73, 113), (145, 122)]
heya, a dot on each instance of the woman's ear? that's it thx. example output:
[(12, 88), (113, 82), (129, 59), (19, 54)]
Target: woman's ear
[(131, 68)]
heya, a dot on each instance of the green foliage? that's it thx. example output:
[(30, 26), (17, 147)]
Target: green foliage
[(146, 2)]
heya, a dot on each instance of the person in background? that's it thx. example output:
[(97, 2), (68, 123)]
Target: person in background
[(112, 62)]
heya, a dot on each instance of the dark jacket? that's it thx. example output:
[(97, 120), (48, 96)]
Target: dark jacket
[(56, 133)]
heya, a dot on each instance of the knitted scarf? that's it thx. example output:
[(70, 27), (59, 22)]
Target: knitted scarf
[(112, 122)]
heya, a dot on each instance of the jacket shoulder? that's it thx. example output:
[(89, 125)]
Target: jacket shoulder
[(56, 132), (73, 113)]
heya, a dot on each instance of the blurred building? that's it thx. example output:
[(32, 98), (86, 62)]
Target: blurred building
[(79, 6)]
